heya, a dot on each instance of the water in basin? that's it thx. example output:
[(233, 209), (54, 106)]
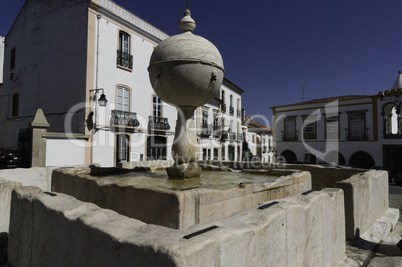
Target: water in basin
[(209, 179)]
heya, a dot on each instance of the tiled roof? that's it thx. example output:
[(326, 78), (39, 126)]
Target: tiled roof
[(253, 124)]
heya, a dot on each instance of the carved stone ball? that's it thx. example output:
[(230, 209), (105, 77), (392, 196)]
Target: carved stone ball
[(186, 70)]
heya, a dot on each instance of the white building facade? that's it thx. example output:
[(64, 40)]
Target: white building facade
[(259, 142), (339, 129), (220, 132), (67, 57), (103, 50), (361, 131)]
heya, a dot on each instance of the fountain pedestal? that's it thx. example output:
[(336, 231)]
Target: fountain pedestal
[(185, 147), (186, 71)]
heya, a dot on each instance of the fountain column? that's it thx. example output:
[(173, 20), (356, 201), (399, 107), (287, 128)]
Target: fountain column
[(186, 71)]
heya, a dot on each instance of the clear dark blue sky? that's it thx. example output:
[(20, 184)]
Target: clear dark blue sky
[(272, 48)]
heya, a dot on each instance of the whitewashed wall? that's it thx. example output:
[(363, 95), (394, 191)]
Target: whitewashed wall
[(62, 152)]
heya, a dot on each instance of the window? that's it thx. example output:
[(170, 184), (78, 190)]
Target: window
[(357, 125), (216, 153), (122, 147), (392, 120), (309, 127), (332, 128), (231, 108), (12, 59), (14, 111), (124, 58), (204, 119), (223, 153), (223, 107), (123, 99), (124, 42), (156, 106), (289, 132), (238, 108)]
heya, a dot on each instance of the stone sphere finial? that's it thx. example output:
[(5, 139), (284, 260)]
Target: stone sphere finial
[(187, 24)]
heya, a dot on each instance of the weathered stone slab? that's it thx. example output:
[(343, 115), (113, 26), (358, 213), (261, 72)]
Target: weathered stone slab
[(53, 229), (6, 187), (366, 200), (174, 208)]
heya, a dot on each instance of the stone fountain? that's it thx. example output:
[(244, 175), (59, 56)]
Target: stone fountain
[(186, 71)]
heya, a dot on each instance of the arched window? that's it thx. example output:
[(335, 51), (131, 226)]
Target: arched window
[(123, 98), (391, 119), (124, 57)]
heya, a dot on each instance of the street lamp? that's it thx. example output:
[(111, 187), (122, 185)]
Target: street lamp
[(102, 101)]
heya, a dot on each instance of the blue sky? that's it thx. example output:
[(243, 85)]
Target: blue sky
[(272, 48)]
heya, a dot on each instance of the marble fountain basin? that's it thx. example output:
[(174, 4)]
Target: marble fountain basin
[(149, 196)]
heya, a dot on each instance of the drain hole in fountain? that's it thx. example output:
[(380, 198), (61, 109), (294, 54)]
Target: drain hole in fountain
[(185, 189), (267, 205), (307, 192), (200, 232)]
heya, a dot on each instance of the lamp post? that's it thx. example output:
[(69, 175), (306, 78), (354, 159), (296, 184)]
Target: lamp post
[(102, 101)]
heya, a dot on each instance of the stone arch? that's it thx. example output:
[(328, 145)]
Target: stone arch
[(390, 113), (289, 156), (362, 159)]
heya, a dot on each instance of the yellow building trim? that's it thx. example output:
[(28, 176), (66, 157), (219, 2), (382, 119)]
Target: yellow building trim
[(375, 118), (91, 44)]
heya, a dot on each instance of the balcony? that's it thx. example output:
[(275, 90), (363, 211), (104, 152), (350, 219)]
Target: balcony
[(224, 135), (123, 118), (223, 108), (216, 131), (238, 113), (289, 136), (124, 59), (158, 123), (206, 130), (231, 111), (358, 134)]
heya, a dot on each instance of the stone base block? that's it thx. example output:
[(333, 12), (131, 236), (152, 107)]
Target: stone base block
[(184, 170)]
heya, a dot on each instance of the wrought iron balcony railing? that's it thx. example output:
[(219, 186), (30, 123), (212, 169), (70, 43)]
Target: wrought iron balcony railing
[(124, 59), (217, 132), (206, 130), (224, 135), (231, 111), (358, 134), (158, 123), (289, 136), (124, 118)]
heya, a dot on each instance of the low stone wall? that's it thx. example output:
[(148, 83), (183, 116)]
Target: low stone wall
[(6, 187), (366, 200), (37, 176), (58, 230), (174, 208)]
